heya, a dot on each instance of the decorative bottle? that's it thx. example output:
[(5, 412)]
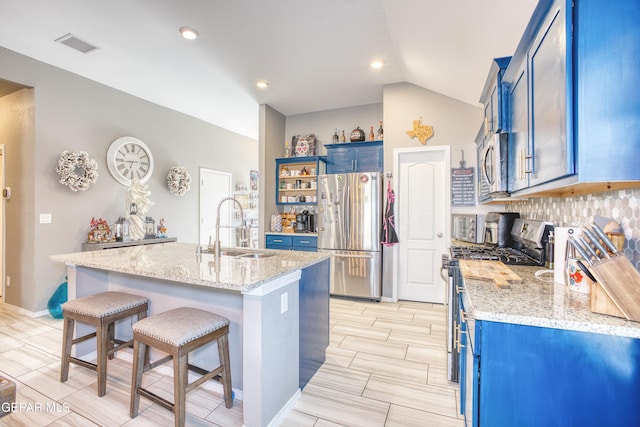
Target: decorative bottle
[(371, 134), (380, 132), (343, 138), (287, 151), (336, 138)]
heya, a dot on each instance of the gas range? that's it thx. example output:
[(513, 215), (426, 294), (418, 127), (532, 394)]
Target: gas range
[(509, 256), (526, 245)]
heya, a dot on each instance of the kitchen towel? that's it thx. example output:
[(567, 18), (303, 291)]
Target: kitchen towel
[(388, 235)]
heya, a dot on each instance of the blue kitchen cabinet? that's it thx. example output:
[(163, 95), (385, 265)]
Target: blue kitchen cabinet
[(296, 242), (314, 319), (493, 98), (517, 176), (294, 188), (536, 376), (580, 60), (354, 157)]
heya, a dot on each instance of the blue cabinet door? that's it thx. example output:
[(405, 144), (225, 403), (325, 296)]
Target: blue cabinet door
[(550, 80), (340, 160), (518, 157), (534, 376)]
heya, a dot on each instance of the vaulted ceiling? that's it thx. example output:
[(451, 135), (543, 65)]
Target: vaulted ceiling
[(315, 54)]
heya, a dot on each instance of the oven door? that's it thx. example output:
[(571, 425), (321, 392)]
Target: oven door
[(493, 165)]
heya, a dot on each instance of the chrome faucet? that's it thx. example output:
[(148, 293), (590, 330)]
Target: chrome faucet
[(216, 247)]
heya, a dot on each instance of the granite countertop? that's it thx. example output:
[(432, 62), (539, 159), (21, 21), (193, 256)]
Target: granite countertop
[(179, 262), (539, 301)]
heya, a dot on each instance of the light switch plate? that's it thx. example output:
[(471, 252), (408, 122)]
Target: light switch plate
[(45, 218), (284, 302)]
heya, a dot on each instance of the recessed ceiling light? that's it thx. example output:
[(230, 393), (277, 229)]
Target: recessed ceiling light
[(377, 64), (189, 33), (262, 84)]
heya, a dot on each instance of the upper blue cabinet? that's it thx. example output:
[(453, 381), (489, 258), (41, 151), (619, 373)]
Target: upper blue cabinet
[(573, 109), (493, 99), (354, 157)]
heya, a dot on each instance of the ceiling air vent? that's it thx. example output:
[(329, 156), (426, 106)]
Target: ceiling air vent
[(77, 44)]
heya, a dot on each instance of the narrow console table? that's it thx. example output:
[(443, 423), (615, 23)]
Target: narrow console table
[(99, 246)]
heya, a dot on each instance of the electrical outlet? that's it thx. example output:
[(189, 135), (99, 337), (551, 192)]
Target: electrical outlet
[(284, 302)]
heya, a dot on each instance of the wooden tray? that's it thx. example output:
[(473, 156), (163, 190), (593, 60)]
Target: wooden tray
[(492, 271)]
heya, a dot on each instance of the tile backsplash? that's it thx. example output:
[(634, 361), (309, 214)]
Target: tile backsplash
[(622, 206)]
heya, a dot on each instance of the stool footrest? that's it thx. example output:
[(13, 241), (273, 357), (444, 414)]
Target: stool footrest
[(83, 338), (84, 363), (157, 399), (157, 363), (204, 378)]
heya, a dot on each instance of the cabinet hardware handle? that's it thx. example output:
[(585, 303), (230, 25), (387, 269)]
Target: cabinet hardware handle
[(459, 333), (304, 241), (459, 289), (277, 240)]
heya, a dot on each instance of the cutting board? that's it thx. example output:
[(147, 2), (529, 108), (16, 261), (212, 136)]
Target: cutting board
[(618, 290), (491, 271)]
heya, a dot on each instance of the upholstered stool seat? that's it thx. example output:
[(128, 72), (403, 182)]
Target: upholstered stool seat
[(178, 332), (101, 311)]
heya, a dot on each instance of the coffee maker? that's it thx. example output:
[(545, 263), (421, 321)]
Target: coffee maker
[(305, 222)]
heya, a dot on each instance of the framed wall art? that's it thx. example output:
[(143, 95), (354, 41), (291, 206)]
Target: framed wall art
[(303, 145)]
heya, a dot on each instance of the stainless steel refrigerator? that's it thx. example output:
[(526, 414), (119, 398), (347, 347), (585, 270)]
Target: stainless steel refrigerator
[(350, 217)]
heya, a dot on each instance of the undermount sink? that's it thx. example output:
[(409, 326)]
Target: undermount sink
[(231, 252), (256, 255)]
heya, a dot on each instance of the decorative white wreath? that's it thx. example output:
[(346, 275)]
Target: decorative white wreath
[(77, 171), (178, 180)]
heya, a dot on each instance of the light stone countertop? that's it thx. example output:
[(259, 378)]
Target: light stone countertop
[(539, 301), (179, 262)]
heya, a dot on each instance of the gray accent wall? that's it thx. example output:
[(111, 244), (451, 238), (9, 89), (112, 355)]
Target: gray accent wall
[(64, 111)]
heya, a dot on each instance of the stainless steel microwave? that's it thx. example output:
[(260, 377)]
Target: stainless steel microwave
[(468, 227), (493, 163)]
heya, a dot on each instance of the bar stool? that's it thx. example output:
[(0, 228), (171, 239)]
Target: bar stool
[(100, 311), (179, 332)]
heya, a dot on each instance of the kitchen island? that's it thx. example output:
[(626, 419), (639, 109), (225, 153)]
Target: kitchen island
[(534, 354), (268, 296)]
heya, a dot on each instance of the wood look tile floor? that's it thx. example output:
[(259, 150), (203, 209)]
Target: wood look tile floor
[(385, 366)]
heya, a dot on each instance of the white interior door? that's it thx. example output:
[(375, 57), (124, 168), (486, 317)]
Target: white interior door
[(422, 209), (214, 186), (2, 224)]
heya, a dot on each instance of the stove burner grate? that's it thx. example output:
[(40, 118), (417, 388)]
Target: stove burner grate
[(508, 256)]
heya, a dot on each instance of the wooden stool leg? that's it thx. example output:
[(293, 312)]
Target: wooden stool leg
[(111, 336), (67, 341), (223, 354), (142, 315), (102, 337), (139, 351), (180, 378)]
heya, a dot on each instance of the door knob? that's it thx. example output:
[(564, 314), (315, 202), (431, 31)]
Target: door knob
[(439, 234)]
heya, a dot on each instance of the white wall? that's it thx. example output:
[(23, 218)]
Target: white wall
[(74, 113)]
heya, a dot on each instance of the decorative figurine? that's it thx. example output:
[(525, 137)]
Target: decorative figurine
[(139, 204), (162, 229)]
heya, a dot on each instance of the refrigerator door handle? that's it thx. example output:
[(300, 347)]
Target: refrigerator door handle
[(352, 256)]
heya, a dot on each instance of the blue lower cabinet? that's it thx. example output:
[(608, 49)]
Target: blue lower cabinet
[(293, 242), (278, 241), (305, 243), (534, 376), (314, 319)]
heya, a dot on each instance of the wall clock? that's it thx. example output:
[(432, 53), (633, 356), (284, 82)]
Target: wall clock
[(129, 158)]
